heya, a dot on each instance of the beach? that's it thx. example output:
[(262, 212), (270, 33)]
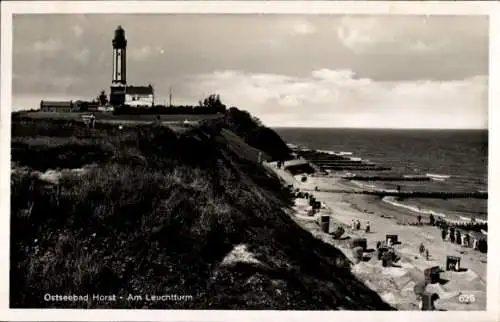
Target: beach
[(457, 290)]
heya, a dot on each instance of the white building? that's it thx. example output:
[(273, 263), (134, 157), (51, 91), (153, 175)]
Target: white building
[(139, 96)]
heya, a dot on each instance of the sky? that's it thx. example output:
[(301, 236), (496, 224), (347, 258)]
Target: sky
[(366, 71)]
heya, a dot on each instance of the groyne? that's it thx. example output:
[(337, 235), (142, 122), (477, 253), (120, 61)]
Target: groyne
[(411, 194), (387, 178), (337, 162), (355, 168)]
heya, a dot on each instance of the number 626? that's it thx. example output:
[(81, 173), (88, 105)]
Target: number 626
[(466, 298)]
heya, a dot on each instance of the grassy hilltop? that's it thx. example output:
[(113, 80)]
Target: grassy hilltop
[(158, 211)]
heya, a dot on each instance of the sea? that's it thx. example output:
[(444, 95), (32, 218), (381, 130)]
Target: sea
[(455, 160)]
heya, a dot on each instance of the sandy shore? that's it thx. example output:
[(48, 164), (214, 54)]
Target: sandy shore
[(394, 284)]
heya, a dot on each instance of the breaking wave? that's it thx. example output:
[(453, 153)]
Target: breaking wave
[(437, 176), (392, 201)]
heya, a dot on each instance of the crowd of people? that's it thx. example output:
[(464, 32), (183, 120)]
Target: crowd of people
[(454, 234), (466, 239)]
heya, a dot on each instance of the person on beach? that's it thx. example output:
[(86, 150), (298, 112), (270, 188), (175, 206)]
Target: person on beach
[(92, 120), (431, 220), (458, 237), (353, 225), (421, 248), (427, 254), (443, 234), (419, 218), (367, 230), (358, 225), (452, 235), (474, 243), (157, 121)]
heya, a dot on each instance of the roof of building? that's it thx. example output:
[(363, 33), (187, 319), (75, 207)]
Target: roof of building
[(140, 90), (56, 103)]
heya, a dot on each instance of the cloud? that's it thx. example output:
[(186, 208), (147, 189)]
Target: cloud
[(83, 56), (419, 46), (47, 46), (54, 83), (145, 52), (303, 28), (77, 31), (333, 98), (365, 34)]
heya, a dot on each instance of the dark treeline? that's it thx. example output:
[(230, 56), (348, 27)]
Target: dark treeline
[(210, 105), (168, 110)]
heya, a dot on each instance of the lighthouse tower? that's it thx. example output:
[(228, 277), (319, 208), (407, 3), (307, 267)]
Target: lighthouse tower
[(119, 81)]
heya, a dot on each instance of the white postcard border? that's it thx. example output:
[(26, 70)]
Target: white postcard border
[(490, 8)]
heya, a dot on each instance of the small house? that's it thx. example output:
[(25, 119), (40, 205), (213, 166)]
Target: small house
[(139, 96), (57, 106)]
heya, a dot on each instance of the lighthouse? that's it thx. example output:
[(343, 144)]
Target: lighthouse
[(119, 80), (121, 94), (119, 57)]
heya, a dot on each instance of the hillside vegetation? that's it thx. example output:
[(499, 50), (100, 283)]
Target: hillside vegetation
[(159, 212)]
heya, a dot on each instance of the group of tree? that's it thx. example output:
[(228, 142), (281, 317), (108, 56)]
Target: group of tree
[(255, 134), (212, 102), (102, 99)]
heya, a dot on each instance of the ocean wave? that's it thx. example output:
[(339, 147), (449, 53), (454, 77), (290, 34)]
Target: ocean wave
[(365, 185), (463, 220), (340, 153), (438, 176), (392, 201), (327, 152)]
